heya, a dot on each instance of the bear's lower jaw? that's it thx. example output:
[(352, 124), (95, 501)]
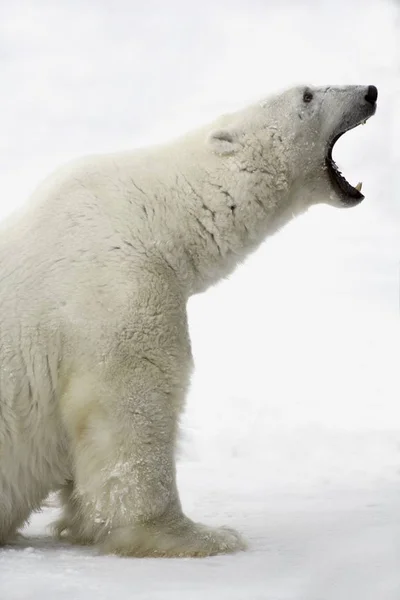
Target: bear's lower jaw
[(348, 194)]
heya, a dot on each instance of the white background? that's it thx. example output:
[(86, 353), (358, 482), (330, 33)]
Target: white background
[(292, 428)]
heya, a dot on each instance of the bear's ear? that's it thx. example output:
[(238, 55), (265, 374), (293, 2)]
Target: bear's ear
[(223, 141)]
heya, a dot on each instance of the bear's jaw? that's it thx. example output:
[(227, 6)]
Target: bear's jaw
[(350, 195)]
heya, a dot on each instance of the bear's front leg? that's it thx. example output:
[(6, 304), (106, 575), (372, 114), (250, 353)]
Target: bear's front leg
[(123, 426)]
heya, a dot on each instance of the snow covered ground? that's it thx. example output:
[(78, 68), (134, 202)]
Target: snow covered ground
[(292, 429), (307, 542)]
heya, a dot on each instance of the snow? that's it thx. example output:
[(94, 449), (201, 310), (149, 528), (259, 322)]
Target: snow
[(314, 541), (292, 428)]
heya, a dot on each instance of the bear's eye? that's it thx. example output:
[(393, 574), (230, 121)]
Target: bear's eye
[(307, 96)]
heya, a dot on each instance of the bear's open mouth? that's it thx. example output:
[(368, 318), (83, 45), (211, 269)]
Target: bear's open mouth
[(345, 189), (348, 193)]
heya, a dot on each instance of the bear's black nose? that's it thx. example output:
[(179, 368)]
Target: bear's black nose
[(372, 94)]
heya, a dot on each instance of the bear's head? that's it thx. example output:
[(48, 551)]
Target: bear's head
[(294, 133)]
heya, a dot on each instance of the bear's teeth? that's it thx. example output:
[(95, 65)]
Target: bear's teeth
[(359, 186)]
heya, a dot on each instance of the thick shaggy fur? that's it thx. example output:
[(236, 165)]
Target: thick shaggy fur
[(94, 279)]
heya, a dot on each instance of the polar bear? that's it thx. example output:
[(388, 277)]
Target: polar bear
[(95, 276)]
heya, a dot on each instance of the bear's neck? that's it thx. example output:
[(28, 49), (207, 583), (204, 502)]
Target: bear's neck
[(207, 213), (223, 215)]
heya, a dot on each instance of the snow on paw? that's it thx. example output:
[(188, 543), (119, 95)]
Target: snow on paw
[(184, 539)]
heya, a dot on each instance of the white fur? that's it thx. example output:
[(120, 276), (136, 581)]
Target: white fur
[(94, 348)]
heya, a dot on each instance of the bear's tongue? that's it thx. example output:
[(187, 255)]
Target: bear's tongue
[(343, 181)]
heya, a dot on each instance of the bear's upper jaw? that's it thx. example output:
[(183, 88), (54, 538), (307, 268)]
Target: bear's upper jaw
[(350, 195)]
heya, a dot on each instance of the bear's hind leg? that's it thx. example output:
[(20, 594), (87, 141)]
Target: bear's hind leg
[(11, 521), (71, 525)]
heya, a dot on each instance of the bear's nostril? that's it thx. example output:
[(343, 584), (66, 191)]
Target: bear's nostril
[(372, 94)]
